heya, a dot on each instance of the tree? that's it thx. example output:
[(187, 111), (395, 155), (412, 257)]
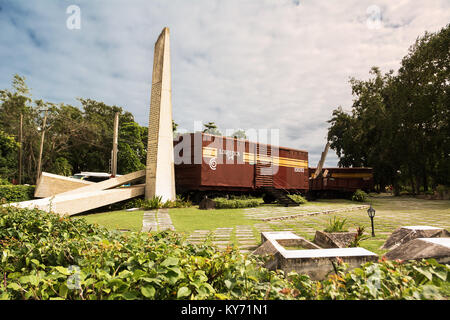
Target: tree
[(211, 128), (8, 156), (399, 124), (132, 154), (239, 134)]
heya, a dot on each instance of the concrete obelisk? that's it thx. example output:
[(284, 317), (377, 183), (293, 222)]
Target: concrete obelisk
[(160, 175)]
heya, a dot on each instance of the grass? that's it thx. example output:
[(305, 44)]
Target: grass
[(190, 219), (116, 220), (391, 213)]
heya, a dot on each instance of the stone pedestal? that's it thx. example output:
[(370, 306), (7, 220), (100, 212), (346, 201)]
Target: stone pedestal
[(160, 174)]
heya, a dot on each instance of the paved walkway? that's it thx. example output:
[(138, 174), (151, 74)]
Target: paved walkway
[(157, 220), (149, 222), (285, 213)]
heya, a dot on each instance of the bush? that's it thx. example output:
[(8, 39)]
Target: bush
[(16, 193), (358, 237), (4, 182), (151, 204), (441, 189), (298, 198), (336, 225), (178, 203), (45, 256), (52, 257), (224, 203), (359, 196), (385, 280)]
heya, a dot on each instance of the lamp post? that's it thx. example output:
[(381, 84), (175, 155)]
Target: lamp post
[(371, 213)]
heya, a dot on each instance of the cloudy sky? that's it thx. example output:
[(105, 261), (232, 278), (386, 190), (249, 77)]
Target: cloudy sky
[(262, 64)]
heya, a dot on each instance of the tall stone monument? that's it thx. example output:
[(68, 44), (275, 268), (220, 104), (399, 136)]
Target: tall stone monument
[(160, 175)]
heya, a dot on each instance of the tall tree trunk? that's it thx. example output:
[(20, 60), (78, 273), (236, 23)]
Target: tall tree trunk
[(425, 180)]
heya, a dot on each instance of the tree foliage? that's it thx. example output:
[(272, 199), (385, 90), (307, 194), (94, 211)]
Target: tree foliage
[(211, 128), (399, 124), (76, 138)]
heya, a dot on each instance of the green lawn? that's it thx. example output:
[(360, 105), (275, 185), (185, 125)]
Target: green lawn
[(391, 213), (190, 219), (116, 220)]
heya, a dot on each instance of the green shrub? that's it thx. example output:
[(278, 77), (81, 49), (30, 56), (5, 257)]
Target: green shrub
[(50, 257), (151, 204), (16, 193), (358, 237), (45, 256), (297, 198), (359, 196), (4, 182), (224, 203), (336, 225), (179, 202), (441, 189), (385, 280)]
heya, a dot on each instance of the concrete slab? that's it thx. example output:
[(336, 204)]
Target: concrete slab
[(334, 239), (407, 233), (440, 241), (50, 184), (422, 248), (315, 262), (108, 184), (71, 204)]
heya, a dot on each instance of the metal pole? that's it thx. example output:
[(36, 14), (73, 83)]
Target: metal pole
[(42, 147), (19, 178), (373, 230), (115, 143)]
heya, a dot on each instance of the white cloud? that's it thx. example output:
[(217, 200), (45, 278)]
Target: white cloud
[(242, 64)]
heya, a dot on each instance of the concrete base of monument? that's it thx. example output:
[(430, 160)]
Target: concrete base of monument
[(50, 184), (310, 259), (422, 248), (405, 234)]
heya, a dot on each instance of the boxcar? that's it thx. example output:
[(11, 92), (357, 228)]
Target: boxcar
[(206, 162), (343, 180)]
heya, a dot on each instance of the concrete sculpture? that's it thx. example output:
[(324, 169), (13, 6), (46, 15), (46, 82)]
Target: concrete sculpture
[(405, 234), (316, 263), (91, 196), (69, 196), (50, 184), (160, 173), (422, 248)]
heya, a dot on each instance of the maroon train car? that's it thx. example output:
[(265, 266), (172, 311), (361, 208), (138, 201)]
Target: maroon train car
[(342, 180), (205, 162)]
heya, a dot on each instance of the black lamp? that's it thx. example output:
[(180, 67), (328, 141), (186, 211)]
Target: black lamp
[(371, 213)]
